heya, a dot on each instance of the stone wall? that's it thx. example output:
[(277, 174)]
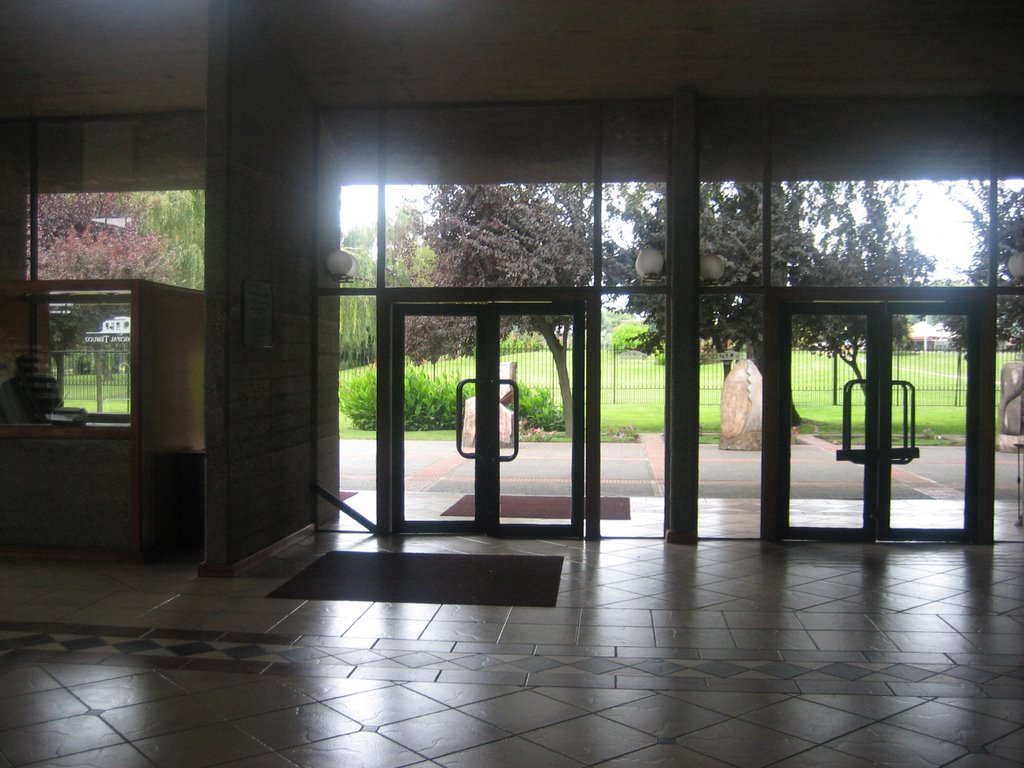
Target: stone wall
[(261, 204), (15, 150)]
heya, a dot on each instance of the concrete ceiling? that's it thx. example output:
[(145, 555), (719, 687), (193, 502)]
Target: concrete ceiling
[(65, 57)]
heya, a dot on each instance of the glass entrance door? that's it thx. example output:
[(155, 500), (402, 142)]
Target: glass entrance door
[(879, 403), (488, 419)]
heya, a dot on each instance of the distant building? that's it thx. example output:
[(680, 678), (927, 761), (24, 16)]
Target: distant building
[(926, 337)]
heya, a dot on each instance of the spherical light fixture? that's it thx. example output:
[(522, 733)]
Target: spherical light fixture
[(1015, 266), (650, 262), (341, 265), (712, 267)]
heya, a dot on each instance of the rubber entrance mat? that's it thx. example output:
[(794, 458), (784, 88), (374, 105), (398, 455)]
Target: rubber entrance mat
[(416, 577)]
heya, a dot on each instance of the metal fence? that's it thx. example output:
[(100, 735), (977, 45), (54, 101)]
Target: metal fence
[(98, 380), (627, 376), (630, 377)]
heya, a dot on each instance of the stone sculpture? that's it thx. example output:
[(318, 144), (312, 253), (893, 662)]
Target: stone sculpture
[(741, 408), (1011, 390)]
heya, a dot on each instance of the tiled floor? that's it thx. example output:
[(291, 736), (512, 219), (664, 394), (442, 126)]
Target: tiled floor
[(729, 653)]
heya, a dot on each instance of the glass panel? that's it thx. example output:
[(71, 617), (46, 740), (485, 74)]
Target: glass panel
[(351, 156), (491, 145), (949, 223), (874, 233), (1009, 458), (357, 217), (633, 223), (347, 402), (438, 482), (65, 361), (634, 168), (633, 417), (122, 199), (929, 357), (490, 235), (536, 487), (731, 233), (1011, 230), (730, 416), (156, 236), (491, 197), (828, 357), (411, 261)]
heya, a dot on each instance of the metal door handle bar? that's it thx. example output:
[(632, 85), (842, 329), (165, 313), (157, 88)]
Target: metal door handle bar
[(460, 414), (515, 419), (847, 453), (908, 450), (904, 453)]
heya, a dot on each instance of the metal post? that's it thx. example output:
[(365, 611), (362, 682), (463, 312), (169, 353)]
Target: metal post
[(1018, 446)]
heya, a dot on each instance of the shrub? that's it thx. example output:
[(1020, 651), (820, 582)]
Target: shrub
[(538, 410), (357, 399), (628, 335), (429, 402)]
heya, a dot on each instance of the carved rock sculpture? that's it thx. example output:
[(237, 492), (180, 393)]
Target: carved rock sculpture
[(1011, 390), (741, 408), (506, 422)]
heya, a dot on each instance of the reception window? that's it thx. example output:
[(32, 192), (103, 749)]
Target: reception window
[(65, 358)]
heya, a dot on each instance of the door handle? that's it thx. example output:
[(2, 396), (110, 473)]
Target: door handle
[(904, 453), (460, 419), (460, 415), (515, 420), (908, 451), (847, 452)]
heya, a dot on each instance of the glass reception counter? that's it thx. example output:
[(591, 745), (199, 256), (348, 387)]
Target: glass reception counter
[(101, 393)]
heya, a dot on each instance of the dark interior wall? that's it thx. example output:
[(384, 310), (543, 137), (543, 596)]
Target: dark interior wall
[(14, 191), (260, 206), (328, 328)]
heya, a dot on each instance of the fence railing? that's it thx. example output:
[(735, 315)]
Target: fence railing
[(98, 380), (627, 376)]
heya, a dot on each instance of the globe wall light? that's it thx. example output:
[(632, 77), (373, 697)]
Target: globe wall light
[(1015, 266), (712, 267), (650, 263), (342, 265)]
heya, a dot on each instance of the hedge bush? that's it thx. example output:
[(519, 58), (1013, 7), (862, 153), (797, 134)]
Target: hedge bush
[(538, 410), (357, 399), (430, 403)]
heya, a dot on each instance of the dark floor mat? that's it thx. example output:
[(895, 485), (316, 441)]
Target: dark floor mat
[(416, 577), (541, 507)]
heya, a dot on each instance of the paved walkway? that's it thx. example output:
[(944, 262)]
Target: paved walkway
[(938, 474), (730, 483)]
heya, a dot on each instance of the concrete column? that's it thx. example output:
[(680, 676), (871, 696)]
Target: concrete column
[(683, 336)]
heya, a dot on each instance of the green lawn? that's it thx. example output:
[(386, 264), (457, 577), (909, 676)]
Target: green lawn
[(112, 405), (638, 400)]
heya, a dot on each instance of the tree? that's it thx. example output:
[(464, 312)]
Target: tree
[(523, 235), (96, 236), (1009, 240), (99, 236), (179, 218), (637, 210), (730, 226), (859, 240), (357, 316), (823, 234)]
